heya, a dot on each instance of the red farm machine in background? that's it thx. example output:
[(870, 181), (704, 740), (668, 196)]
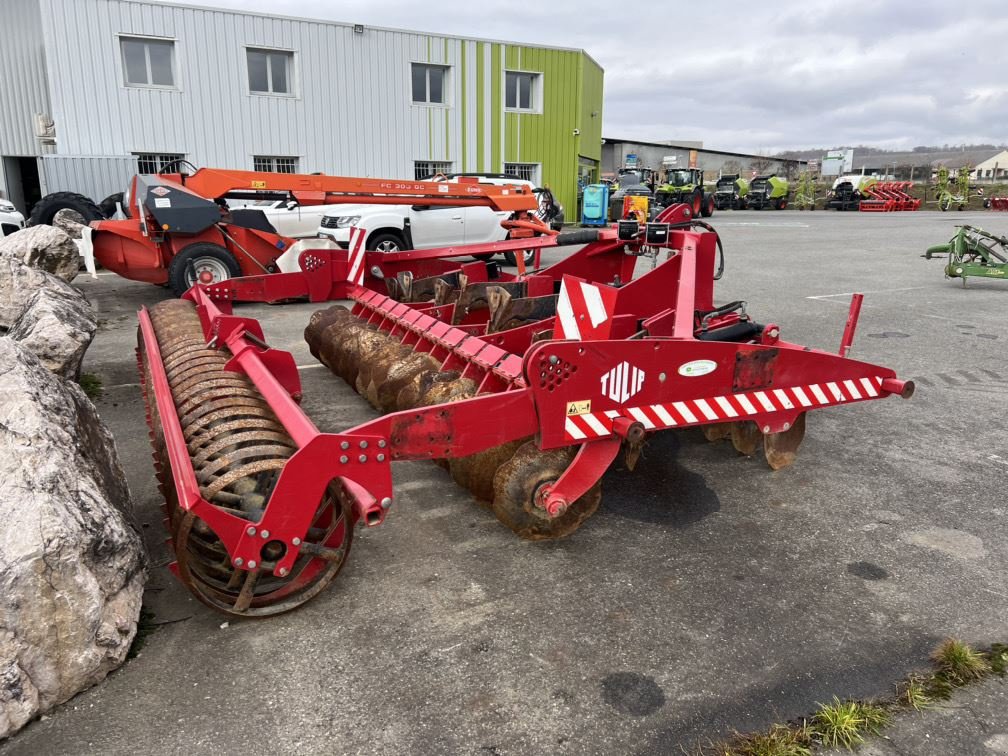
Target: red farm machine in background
[(179, 231), (889, 196), (525, 387)]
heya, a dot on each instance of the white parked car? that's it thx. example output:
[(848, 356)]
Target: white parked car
[(391, 228), (10, 219), (288, 218)]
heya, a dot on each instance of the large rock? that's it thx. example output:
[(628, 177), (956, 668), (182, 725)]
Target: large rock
[(69, 221), (58, 326), (18, 284), (44, 247), (72, 564)]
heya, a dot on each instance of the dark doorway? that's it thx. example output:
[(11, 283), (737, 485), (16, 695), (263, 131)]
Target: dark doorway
[(31, 188)]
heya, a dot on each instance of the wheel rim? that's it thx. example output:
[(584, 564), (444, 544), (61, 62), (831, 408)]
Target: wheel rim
[(696, 205), (386, 246), (207, 270)]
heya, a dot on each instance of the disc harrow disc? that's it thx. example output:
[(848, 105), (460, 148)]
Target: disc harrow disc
[(746, 437), (780, 448), (519, 480)]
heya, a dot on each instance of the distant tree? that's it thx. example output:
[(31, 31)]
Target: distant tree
[(761, 164), (731, 166)]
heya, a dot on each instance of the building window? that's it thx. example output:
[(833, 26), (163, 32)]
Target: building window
[(269, 71), (274, 164), (521, 90), (523, 171), (423, 169), (429, 83), (148, 62), (156, 162)]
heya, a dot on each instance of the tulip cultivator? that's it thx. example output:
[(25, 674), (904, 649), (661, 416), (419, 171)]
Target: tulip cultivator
[(525, 387)]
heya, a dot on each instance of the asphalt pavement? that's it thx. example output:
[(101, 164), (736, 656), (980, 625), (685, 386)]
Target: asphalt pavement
[(708, 594)]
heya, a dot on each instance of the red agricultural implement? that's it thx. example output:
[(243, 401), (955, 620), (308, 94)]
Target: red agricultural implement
[(996, 203), (525, 387), (889, 196), (179, 231)]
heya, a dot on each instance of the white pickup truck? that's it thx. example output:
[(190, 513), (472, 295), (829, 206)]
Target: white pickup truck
[(391, 228)]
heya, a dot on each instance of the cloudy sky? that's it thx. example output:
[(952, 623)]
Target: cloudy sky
[(750, 75)]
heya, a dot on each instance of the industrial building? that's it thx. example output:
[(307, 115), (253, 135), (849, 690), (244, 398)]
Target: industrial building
[(987, 165), (629, 153), (92, 91)]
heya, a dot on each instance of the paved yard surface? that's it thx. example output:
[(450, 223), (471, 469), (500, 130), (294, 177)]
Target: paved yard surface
[(707, 595)]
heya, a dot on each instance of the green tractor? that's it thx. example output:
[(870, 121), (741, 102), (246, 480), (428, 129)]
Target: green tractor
[(686, 185), (730, 192), (768, 191)]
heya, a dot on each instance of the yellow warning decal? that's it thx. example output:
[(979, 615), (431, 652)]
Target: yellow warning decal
[(579, 408), (258, 184)]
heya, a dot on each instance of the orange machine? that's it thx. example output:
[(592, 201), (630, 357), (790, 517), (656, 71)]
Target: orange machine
[(180, 231)]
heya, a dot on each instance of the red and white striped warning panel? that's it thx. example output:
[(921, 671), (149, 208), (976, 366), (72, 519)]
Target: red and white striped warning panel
[(721, 409), (357, 254), (583, 310)]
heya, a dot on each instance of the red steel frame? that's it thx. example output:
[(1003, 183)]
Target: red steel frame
[(525, 390)]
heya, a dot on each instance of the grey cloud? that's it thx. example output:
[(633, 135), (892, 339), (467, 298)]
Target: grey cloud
[(750, 76)]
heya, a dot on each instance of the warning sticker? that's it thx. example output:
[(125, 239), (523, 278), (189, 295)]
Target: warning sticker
[(162, 202), (579, 408), (258, 184)]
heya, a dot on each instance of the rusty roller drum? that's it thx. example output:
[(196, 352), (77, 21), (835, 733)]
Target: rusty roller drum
[(237, 448), (394, 377)]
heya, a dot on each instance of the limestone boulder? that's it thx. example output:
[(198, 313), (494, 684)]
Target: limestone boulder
[(72, 564), (18, 284), (43, 247), (69, 221), (58, 326)]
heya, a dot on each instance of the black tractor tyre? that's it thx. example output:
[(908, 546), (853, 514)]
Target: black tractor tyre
[(217, 256), (384, 241), (696, 203), (109, 205), (485, 258), (707, 208), (511, 259), (45, 209)]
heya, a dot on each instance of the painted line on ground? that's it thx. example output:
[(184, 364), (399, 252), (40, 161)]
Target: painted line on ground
[(878, 291)]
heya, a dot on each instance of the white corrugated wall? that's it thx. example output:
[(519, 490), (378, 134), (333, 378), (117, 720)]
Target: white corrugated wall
[(23, 89), (350, 113), (93, 176)]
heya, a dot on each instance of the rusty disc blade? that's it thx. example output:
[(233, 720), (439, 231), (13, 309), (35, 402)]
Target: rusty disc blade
[(520, 478), (746, 437), (780, 448), (717, 431)]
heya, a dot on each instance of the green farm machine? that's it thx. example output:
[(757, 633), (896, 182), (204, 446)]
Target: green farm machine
[(805, 192), (953, 192), (686, 185), (973, 252), (730, 192), (768, 191)]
